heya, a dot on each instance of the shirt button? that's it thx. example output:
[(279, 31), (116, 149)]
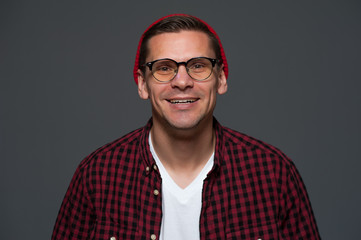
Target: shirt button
[(155, 167), (156, 192), (153, 237), (113, 238), (147, 169)]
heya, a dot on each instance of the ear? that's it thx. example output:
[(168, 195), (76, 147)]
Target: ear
[(142, 86), (222, 81)]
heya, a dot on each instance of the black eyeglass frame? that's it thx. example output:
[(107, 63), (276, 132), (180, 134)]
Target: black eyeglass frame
[(212, 60)]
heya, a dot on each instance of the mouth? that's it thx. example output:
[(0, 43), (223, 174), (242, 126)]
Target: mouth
[(181, 101)]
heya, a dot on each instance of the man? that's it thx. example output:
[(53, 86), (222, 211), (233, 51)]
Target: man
[(183, 175)]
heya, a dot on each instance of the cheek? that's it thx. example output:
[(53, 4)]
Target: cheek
[(155, 94)]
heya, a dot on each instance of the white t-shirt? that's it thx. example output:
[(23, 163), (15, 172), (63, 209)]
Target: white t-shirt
[(181, 207)]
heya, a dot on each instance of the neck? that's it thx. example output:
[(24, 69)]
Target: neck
[(183, 152)]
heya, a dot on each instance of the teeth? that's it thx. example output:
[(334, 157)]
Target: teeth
[(182, 101)]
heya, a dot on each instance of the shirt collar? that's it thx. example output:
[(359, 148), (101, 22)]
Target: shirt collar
[(144, 148), (219, 148)]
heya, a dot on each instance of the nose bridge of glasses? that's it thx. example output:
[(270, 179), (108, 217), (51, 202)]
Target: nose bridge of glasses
[(178, 71), (182, 77), (186, 65), (181, 63)]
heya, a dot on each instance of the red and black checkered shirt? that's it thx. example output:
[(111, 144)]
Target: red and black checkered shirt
[(252, 192)]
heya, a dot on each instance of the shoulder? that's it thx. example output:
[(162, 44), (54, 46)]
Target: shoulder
[(110, 152), (245, 141), (253, 151)]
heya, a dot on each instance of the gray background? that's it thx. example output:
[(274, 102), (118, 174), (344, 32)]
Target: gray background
[(66, 89)]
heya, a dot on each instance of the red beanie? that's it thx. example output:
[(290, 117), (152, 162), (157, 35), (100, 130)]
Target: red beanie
[(136, 65)]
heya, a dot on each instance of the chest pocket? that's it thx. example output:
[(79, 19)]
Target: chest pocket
[(109, 230), (264, 232)]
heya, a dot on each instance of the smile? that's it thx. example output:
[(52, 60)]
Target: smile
[(181, 101)]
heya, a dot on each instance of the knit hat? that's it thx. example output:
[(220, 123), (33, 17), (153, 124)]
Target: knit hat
[(136, 65)]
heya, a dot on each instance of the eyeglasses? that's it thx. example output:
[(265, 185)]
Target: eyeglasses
[(165, 70)]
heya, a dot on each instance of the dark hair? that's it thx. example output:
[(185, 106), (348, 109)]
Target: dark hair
[(175, 24)]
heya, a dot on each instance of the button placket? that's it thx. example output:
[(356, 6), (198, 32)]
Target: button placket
[(155, 179), (156, 191)]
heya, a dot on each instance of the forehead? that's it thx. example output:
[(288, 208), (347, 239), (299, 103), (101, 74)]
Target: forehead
[(180, 46)]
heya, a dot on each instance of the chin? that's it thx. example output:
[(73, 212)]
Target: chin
[(186, 123), (183, 126)]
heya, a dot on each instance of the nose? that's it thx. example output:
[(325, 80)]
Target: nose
[(182, 80)]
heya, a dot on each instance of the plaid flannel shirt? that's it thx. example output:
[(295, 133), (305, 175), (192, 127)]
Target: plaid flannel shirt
[(252, 192)]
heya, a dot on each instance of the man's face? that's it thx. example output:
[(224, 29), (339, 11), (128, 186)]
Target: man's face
[(182, 103)]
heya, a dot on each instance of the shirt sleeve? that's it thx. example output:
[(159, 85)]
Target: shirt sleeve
[(76, 215), (296, 216)]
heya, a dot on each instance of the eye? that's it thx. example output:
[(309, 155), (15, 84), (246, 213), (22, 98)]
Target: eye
[(163, 69), (197, 67), (164, 66)]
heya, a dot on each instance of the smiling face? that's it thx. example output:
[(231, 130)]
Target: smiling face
[(182, 103)]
